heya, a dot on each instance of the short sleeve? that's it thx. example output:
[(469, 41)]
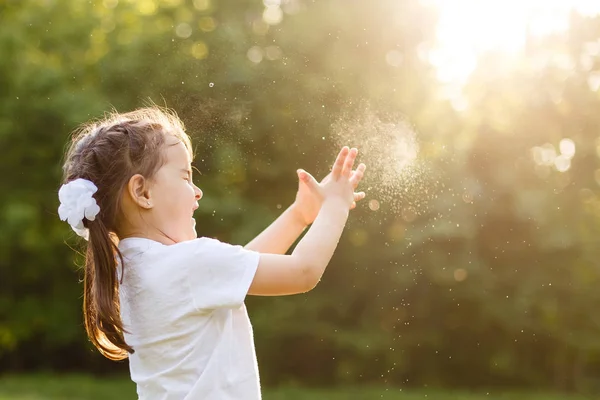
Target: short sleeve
[(219, 274)]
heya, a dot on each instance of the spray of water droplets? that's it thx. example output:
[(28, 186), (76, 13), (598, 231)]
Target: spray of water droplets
[(396, 177)]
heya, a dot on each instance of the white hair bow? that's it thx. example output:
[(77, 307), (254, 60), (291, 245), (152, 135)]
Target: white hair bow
[(76, 203)]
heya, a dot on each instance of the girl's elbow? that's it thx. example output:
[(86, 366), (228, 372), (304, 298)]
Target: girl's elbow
[(310, 277)]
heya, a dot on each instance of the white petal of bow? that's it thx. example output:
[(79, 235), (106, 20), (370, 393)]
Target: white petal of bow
[(76, 202)]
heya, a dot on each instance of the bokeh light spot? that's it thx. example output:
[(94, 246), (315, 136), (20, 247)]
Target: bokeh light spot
[(373, 205), (567, 148), (544, 155), (183, 30), (593, 79), (255, 54), (460, 274), (147, 7), (199, 50), (272, 15), (201, 5), (207, 24), (562, 163)]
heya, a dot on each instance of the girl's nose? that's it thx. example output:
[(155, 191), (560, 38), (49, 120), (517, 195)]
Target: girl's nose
[(199, 193)]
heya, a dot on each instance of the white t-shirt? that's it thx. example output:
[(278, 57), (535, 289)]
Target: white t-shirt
[(183, 308)]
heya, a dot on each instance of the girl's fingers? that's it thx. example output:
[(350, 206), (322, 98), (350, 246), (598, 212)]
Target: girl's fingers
[(358, 175), (338, 166), (347, 169), (359, 196)]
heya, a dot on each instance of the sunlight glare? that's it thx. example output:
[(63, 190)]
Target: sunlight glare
[(468, 28)]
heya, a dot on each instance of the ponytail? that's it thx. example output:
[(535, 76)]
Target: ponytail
[(101, 306)]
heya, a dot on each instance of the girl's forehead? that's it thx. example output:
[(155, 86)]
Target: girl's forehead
[(177, 153)]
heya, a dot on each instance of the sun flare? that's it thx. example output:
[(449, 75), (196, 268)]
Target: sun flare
[(468, 28)]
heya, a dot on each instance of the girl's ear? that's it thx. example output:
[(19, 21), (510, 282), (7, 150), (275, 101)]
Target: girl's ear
[(138, 190)]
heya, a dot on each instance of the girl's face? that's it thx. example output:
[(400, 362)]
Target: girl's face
[(173, 195)]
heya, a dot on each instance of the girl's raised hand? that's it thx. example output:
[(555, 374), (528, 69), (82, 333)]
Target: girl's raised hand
[(341, 182), (339, 186)]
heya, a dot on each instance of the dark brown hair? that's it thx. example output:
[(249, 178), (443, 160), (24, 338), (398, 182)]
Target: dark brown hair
[(108, 152)]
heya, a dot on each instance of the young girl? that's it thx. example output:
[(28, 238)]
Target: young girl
[(154, 292)]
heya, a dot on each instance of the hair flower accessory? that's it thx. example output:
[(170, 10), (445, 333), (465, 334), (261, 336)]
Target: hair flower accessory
[(76, 203)]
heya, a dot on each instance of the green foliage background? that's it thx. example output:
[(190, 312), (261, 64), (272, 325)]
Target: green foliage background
[(493, 282)]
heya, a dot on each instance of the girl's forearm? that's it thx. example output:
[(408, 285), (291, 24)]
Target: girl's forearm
[(278, 237), (317, 246)]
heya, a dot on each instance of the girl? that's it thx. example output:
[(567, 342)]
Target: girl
[(154, 292)]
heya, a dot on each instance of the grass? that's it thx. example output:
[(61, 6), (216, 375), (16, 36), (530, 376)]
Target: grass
[(81, 387)]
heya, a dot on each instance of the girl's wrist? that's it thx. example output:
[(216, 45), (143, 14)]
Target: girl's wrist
[(337, 201), (336, 204), (297, 216)]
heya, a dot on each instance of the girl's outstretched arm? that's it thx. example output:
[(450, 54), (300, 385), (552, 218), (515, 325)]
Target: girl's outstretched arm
[(302, 270), (278, 237)]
